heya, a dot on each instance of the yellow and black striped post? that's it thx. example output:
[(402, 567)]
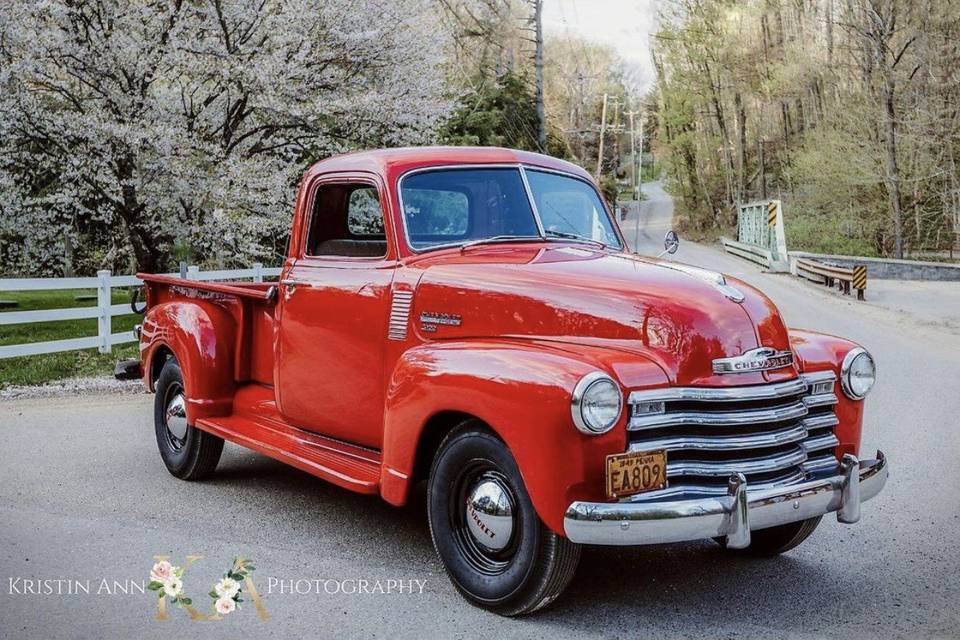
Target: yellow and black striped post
[(771, 213), (860, 279)]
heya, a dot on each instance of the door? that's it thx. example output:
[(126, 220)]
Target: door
[(334, 303)]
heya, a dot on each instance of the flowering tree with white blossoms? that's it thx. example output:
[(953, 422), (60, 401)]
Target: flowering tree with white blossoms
[(156, 122)]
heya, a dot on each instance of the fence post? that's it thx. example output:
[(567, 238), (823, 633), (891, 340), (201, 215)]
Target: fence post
[(104, 325), (192, 272), (183, 269), (258, 272)]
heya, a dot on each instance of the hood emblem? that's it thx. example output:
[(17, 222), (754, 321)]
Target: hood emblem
[(760, 359)]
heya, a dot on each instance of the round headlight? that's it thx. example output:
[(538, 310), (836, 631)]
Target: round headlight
[(596, 403), (858, 373)]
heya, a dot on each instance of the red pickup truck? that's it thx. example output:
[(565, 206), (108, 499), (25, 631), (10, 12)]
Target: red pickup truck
[(472, 318)]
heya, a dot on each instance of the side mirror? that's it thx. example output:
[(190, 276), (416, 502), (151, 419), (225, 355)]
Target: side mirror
[(671, 242)]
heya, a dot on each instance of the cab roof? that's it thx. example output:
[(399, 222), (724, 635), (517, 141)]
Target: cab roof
[(393, 162)]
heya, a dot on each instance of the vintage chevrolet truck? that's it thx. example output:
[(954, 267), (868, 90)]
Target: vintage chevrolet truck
[(472, 318)]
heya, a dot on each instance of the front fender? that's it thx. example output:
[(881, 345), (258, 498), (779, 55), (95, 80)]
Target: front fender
[(521, 389), (202, 336), (822, 352)]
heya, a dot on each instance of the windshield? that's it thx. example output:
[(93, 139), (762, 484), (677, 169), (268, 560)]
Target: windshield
[(448, 207), (570, 207), (456, 206)]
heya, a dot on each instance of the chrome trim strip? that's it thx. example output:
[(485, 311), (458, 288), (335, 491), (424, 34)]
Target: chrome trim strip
[(533, 203), (728, 418), (788, 435), (702, 490), (722, 468), (821, 421), (817, 443), (819, 376), (634, 523), (399, 315), (820, 400), (820, 464), (721, 394)]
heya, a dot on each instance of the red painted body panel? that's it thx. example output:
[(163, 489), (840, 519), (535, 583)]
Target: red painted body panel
[(311, 378)]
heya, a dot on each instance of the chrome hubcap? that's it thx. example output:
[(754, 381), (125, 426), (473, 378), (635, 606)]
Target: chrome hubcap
[(489, 514), (175, 416)]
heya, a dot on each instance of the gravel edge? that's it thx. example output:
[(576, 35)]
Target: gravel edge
[(73, 387)]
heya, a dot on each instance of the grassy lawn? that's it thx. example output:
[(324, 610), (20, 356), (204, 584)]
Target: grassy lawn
[(67, 364)]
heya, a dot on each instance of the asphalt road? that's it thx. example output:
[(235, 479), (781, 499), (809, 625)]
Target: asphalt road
[(84, 496)]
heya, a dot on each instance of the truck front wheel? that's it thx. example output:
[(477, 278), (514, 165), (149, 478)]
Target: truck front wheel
[(187, 452), (488, 536), (776, 540)]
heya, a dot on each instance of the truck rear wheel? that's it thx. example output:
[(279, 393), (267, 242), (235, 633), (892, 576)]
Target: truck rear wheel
[(488, 536), (188, 452), (776, 540)]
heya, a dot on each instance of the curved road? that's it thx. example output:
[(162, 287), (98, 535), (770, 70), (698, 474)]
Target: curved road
[(84, 496)]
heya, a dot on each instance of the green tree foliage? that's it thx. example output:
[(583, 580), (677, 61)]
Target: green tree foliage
[(500, 112), (844, 110)]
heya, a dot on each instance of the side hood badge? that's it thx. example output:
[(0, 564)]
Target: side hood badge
[(759, 359)]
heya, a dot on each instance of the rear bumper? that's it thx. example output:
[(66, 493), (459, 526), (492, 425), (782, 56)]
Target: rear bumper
[(732, 515)]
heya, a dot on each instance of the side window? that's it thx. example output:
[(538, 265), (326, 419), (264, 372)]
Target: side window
[(364, 217), (347, 220)]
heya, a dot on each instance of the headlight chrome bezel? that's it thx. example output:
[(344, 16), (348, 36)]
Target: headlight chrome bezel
[(846, 369), (577, 400)]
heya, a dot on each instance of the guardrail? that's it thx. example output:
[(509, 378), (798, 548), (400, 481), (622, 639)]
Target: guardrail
[(757, 255), (855, 277), (888, 268), (104, 282)]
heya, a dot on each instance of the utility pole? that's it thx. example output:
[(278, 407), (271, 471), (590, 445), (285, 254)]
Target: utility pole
[(640, 161), (763, 170), (538, 66), (634, 180), (603, 131), (636, 242)]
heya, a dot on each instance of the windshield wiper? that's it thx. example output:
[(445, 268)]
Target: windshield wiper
[(500, 238), (573, 236)]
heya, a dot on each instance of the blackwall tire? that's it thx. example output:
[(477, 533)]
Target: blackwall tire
[(776, 540), (509, 564), (187, 452)]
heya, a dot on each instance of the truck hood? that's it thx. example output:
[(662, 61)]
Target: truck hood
[(678, 316)]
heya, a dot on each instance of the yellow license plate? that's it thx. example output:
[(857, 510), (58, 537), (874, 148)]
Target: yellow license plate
[(636, 472)]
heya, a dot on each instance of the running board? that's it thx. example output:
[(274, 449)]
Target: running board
[(346, 465)]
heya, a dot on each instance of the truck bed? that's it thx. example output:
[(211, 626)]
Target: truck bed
[(250, 306)]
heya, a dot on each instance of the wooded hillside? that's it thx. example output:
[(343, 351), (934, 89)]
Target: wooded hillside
[(848, 110)]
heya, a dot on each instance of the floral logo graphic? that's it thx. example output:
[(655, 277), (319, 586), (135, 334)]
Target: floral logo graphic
[(226, 593), (167, 580)]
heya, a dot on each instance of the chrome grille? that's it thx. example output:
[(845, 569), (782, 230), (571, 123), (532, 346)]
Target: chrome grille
[(775, 434)]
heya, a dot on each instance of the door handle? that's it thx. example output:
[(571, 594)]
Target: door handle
[(290, 287)]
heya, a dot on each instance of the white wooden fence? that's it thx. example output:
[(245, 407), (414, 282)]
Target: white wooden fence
[(104, 310)]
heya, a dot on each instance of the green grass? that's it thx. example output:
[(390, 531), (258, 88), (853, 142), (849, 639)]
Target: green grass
[(68, 364)]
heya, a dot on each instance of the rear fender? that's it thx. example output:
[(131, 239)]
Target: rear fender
[(202, 336), (521, 390)]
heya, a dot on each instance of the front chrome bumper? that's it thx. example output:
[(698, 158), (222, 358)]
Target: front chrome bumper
[(732, 515)]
